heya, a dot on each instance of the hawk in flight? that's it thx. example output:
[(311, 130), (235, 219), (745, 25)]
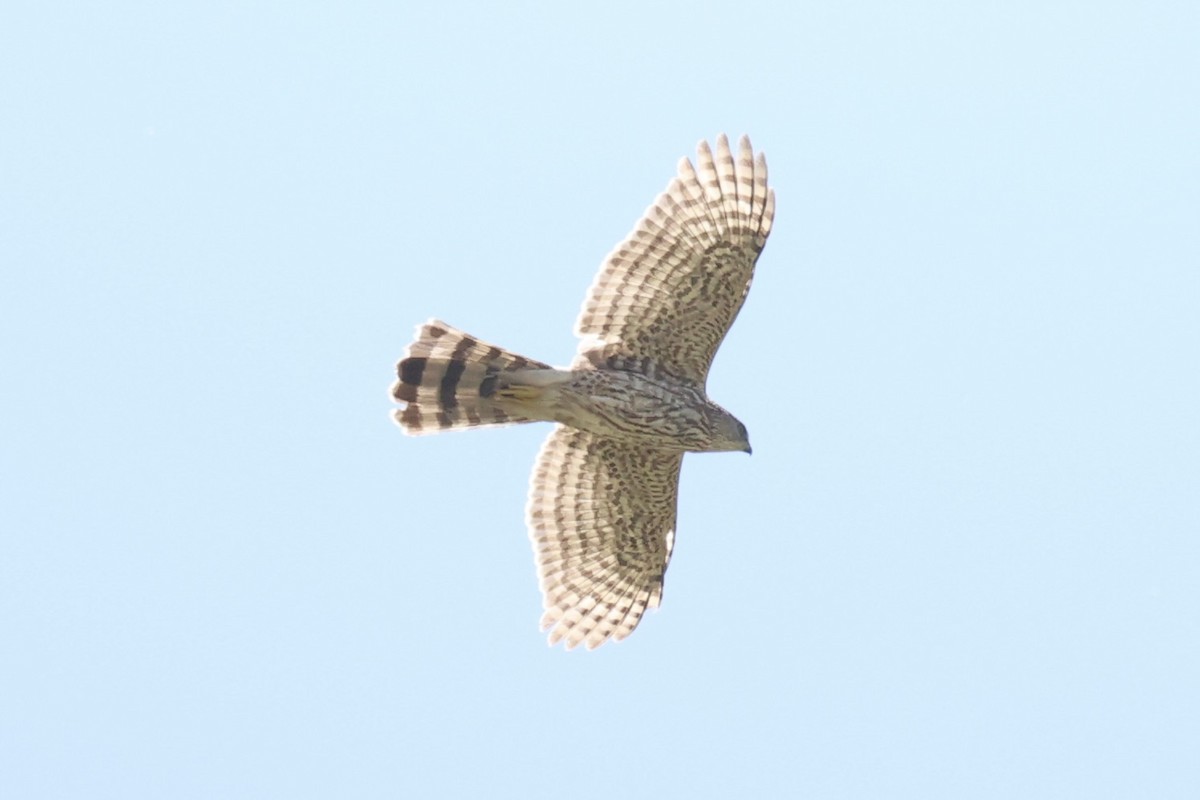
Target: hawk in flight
[(602, 498)]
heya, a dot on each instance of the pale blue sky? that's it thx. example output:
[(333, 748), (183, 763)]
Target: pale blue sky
[(963, 561)]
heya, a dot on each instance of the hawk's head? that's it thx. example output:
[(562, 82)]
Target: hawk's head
[(728, 432)]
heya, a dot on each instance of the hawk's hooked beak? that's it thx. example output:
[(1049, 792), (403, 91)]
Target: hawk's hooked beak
[(748, 450)]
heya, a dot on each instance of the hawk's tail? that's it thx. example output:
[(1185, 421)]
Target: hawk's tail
[(451, 380)]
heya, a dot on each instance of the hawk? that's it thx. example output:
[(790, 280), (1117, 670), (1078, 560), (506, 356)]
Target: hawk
[(602, 499)]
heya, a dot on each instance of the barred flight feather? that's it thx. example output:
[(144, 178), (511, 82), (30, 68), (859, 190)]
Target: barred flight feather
[(448, 378), (601, 516), (670, 291)]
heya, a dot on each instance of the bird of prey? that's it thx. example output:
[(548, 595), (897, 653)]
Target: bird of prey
[(602, 498)]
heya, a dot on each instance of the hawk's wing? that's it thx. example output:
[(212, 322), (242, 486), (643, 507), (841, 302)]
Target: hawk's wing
[(602, 519), (665, 297)]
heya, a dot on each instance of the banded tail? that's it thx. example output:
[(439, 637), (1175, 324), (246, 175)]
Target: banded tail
[(449, 379)]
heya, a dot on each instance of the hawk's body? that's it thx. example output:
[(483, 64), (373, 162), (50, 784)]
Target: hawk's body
[(602, 499)]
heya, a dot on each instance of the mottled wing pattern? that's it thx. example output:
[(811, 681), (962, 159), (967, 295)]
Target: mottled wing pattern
[(666, 296), (602, 519)]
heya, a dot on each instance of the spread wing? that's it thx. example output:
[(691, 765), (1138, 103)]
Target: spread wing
[(666, 296), (601, 516)]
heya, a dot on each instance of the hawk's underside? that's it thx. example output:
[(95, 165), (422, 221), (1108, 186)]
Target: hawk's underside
[(602, 499)]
